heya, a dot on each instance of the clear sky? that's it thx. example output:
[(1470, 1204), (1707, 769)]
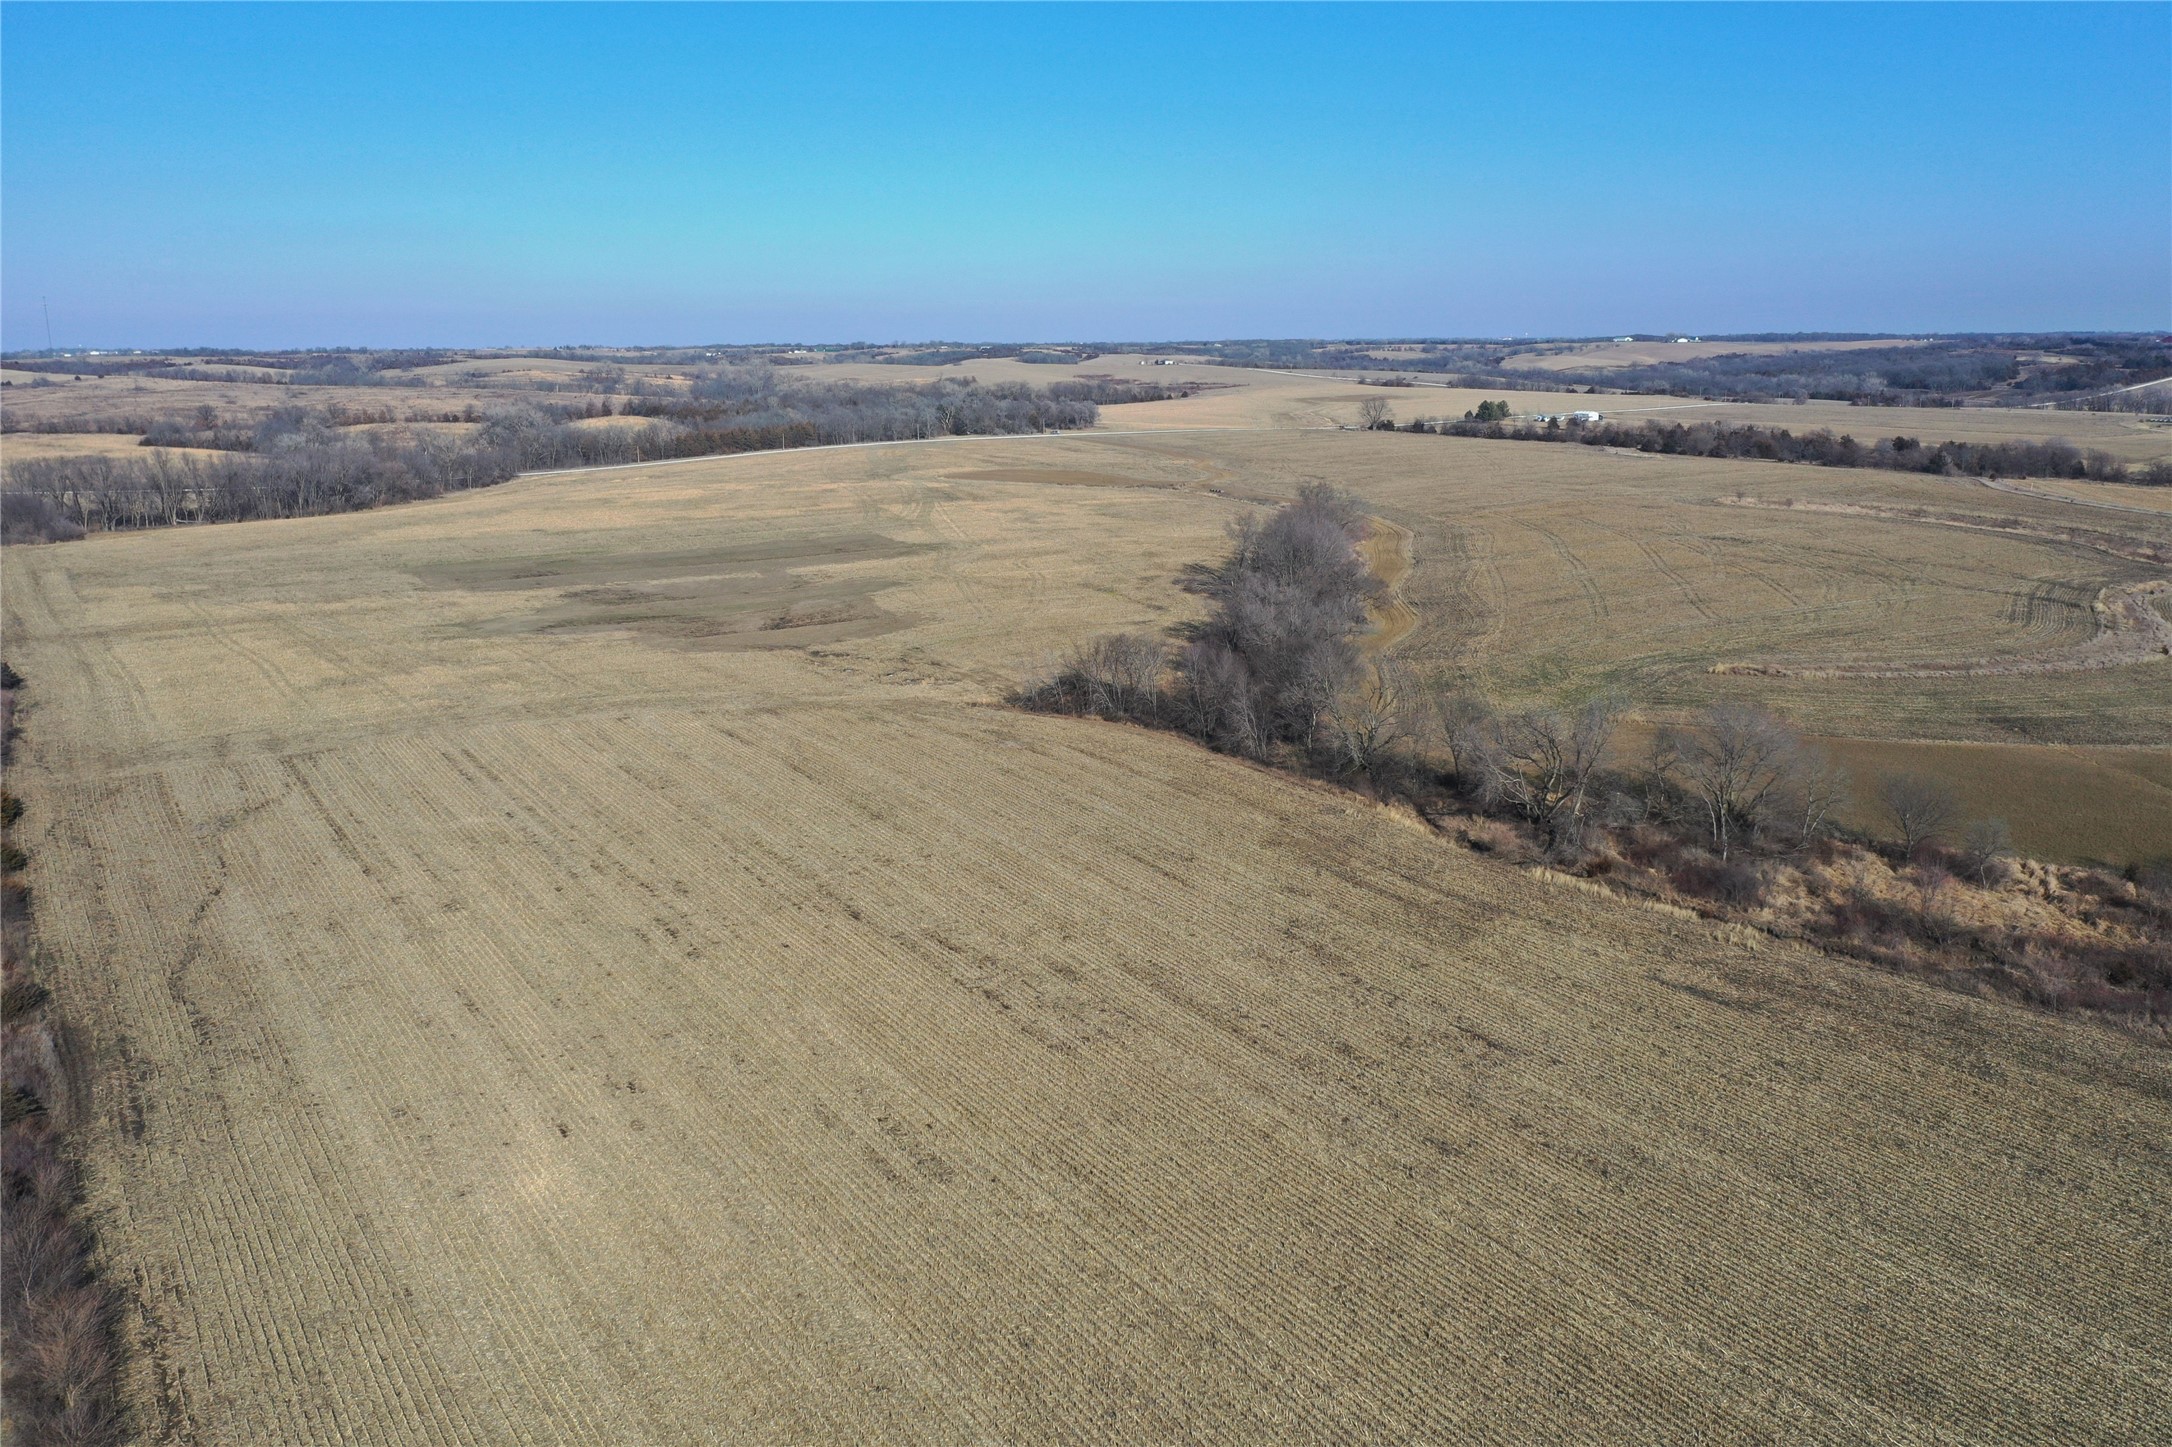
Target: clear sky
[(409, 174)]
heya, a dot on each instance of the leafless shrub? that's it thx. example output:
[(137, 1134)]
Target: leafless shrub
[(1933, 890), (1727, 881), (1117, 676), (27, 517), (1986, 852), (1501, 838)]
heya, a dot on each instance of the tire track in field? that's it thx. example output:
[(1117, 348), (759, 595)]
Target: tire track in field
[(225, 635), (1688, 593), (1720, 555), (1488, 594), (1579, 572), (1386, 549), (929, 513)]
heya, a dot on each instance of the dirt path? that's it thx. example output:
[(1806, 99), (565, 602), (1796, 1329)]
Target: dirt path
[(1386, 550)]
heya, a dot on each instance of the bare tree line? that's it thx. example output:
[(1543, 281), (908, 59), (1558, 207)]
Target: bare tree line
[(55, 499), (2007, 369), (61, 1344), (1715, 810), (2055, 458), (1269, 666), (297, 462)]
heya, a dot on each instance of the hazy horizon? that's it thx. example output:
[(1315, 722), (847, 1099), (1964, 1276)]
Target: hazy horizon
[(535, 176)]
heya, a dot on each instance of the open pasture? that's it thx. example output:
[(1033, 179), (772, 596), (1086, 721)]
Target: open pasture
[(531, 1005), (123, 400)]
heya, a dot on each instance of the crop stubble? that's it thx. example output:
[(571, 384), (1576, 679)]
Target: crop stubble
[(568, 1036)]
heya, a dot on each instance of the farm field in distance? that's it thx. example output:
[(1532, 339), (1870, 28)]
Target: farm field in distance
[(966, 741), (590, 960), (1237, 396)]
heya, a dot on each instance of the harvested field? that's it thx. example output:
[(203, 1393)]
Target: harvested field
[(1236, 396), (1542, 572), (530, 1033), (1592, 356), (2072, 805), (25, 446), (2111, 496), (2127, 436)]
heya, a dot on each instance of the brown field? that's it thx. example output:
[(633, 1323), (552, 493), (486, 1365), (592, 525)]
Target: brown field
[(2117, 496), (1589, 356), (1238, 397), (2126, 435), (585, 961), (26, 446), (1551, 569), (126, 397), (2064, 803)]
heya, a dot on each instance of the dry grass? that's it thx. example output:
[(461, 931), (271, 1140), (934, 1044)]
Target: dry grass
[(521, 1033), (27, 446)]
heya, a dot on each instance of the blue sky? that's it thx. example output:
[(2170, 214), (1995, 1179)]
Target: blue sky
[(409, 174)]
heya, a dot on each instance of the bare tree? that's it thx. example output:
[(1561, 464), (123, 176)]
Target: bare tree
[(1747, 773), (1290, 602), (1924, 810), (1466, 721), (1558, 753), (1373, 717), (1375, 411), (1817, 789), (1216, 698), (1539, 763)]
